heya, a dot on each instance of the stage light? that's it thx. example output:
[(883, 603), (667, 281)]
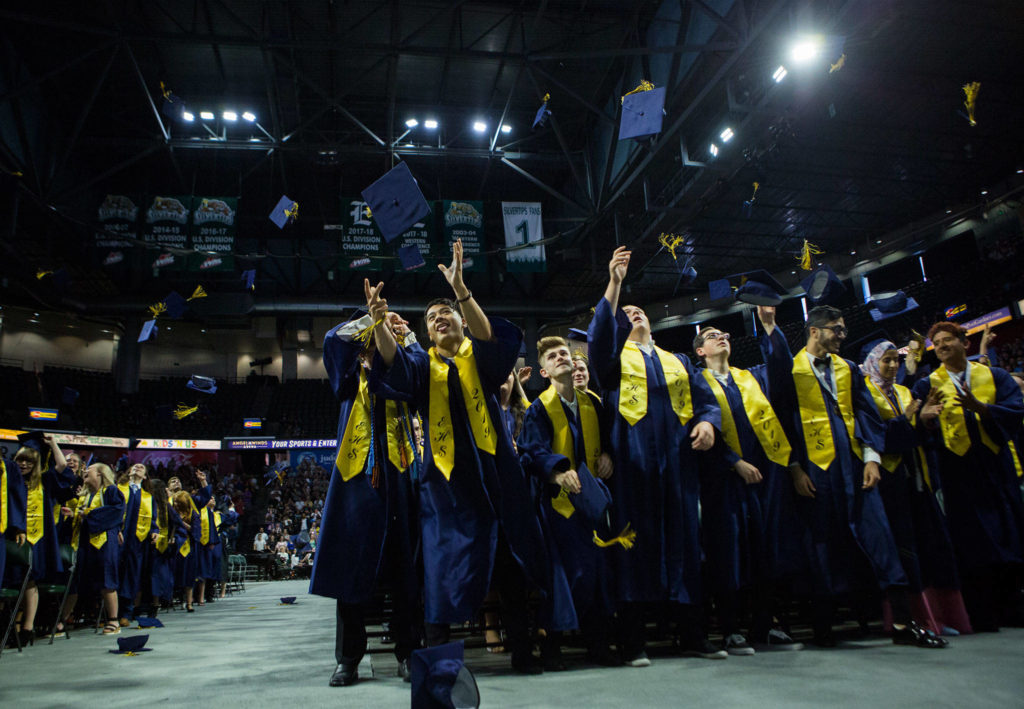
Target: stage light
[(984, 192), (806, 49), (411, 123), (479, 126), (249, 116), (230, 116), (506, 129), (206, 115), (780, 74), (714, 150), (726, 135), (430, 124), (188, 116)]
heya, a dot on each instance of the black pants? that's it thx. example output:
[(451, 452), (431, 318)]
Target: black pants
[(688, 618), (510, 582)]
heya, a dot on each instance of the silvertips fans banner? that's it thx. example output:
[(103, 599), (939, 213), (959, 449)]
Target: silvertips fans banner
[(523, 226)]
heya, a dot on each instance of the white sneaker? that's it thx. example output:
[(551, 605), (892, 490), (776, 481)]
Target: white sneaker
[(640, 660)]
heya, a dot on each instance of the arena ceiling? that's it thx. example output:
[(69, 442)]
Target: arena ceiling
[(842, 158)]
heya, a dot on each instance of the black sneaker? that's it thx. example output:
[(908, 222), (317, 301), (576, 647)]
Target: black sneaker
[(779, 640), (736, 644), (704, 649)]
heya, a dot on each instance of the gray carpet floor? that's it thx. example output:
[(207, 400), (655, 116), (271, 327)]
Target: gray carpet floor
[(250, 651)]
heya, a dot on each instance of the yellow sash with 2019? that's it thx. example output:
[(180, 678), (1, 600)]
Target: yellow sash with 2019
[(763, 420), (356, 441), (562, 443), (817, 429), (633, 384)]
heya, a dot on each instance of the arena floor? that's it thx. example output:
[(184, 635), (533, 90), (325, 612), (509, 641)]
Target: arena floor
[(249, 650)]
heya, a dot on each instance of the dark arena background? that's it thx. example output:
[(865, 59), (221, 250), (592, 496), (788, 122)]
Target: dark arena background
[(185, 217)]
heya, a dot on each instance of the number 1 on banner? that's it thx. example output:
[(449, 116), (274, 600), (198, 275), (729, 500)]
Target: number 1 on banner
[(523, 228)]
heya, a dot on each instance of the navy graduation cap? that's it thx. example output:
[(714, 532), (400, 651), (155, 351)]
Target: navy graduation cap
[(577, 335), (593, 499), (440, 678), (642, 113), (823, 286), (286, 210), (176, 305), (206, 385), (396, 202), (145, 622), (287, 600), (410, 257), (757, 287), (542, 113), (889, 305), (149, 330), (131, 645)]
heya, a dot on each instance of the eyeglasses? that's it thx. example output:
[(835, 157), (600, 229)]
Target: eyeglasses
[(716, 336), (839, 330)]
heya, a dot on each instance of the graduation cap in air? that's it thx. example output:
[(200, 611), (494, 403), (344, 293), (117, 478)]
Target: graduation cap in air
[(410, 257), (440, 678), (148, 332), (889, 305), (542, 113), (286, 210), (176, 305), (206, 385), (131, 645), (70, 396), (396, 202), (249, 278), (576, 335), (173, 105), (642, 113), (32, 439), (287, 600), (757, 287), (145, 622), (823, 286)]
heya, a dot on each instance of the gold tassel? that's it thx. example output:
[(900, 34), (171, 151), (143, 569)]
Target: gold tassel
[(645, 85), (840, 63), (184, 410), (806, 253), (919, 339), (157, 310), (41, 274), (293, 211), (369, 214), (757, 186), (971, 93), (578, 353), (627, 537), (366, 333), (165, 91), (547, 97), (671, 242), (197, 293)]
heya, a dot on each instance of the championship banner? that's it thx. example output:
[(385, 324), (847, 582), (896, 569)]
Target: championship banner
[(167, 221), (210, 263), (360, 243), (465, 220), (523, 226), (213, 223), (117, 215)]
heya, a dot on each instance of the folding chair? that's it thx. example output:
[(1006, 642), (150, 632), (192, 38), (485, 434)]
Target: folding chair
[(18, 556), (70, 559)]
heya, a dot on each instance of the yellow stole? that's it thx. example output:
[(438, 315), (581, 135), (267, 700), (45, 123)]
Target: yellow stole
[(204, 521), (760, 413), (34, 514), (442, 435), (3, 496), (163, 537), (821, 448), (633, 384), (355, 443), (145, 515), (1016, 459), (98, 539), (953, 420), (890, 461), (562, 440), (186, 546), (396, 415)]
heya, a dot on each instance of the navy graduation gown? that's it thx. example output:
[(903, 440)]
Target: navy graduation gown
[(57, 488), (209, 554), (98, 568), (580, 572), (186, 568), (135, 555), (15, 507), (162, 575), (656, 484), (980, 491), (842, 519), (359, 521), (460, 516)]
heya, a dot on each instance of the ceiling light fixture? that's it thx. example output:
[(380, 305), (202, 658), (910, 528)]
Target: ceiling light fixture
[(249, 116), (230, 116), (806, 49), (726, 135), (411, 123), (430, 124), (713, 150), (188, 116), (780, 74), (506, 128), (206, 115), (479, 126)]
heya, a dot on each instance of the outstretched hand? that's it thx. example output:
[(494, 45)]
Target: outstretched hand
[(453, 273), (619, 264), (377, 306)]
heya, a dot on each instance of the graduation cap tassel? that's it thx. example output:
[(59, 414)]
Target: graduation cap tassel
[(292, 212), (971, 96), (627, 538), (41, 274), (197, 293), (366, 333), (183, 410), (671, 242), (157, 309), (807, 253), (645, 85), (840, 63), (757, 186), (369, 212), (579, 353), (165, 92)]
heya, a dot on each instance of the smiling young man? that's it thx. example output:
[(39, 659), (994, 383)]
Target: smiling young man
[(979, 468), (663, 415), (477, 516), (835, 431), (747, 505), (561, 445)]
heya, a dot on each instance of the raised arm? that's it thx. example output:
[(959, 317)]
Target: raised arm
[(476, 322), (382, 335), (617, 268)]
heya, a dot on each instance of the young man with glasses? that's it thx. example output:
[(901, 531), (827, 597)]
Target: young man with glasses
[(836, 432), (748, 514)]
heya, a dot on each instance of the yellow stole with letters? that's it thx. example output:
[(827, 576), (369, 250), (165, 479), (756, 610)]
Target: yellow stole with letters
[(3, 497), (442, 434), (562, 444), (204, 521), (821, 448), (357, 439), (760, 413), (952, 420), (92, 503), (396, 414), (633, 384), (34, 514), (890, 461)]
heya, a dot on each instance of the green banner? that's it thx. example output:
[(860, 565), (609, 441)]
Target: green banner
[(214, 223), (118, 214), (166, 221), (210, 263), (465, 220), (361, 246)]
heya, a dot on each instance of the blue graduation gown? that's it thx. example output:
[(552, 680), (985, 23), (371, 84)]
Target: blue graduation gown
[(980, 491), (57, 488), (162, 577), (98, 568), (359, 521), (750, 531), (842, 519), (656, 485), (209, 554), (580, 570), (135, 555), (15, 507), (460, 517), (186, 568)]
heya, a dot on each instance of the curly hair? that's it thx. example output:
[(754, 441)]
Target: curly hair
[(947, 326)]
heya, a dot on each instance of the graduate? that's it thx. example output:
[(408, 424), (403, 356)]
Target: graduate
[(165, 540), (136, 549), (977, 463), (748, 511), (918, 525), (369, 531), (186, 566), (210, 547), (12, 508), (663, 413), (97, 525), (476, 513), (561, 445), (835, 431)]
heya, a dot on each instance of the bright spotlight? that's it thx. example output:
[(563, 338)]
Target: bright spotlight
[(479, 126), (506, 129), (726, 135), (206, 115), (806, 49), (249, 116), (411, 123), (713, 150), (230, 116), (430, 123), (780, 74), (188, 116)]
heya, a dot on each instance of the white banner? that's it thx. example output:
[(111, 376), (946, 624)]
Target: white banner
[(523, 225)]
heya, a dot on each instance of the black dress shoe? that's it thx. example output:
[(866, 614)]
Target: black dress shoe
[(526, 664), (604, 657), (914, 634), (403, 671), (344, 675)]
